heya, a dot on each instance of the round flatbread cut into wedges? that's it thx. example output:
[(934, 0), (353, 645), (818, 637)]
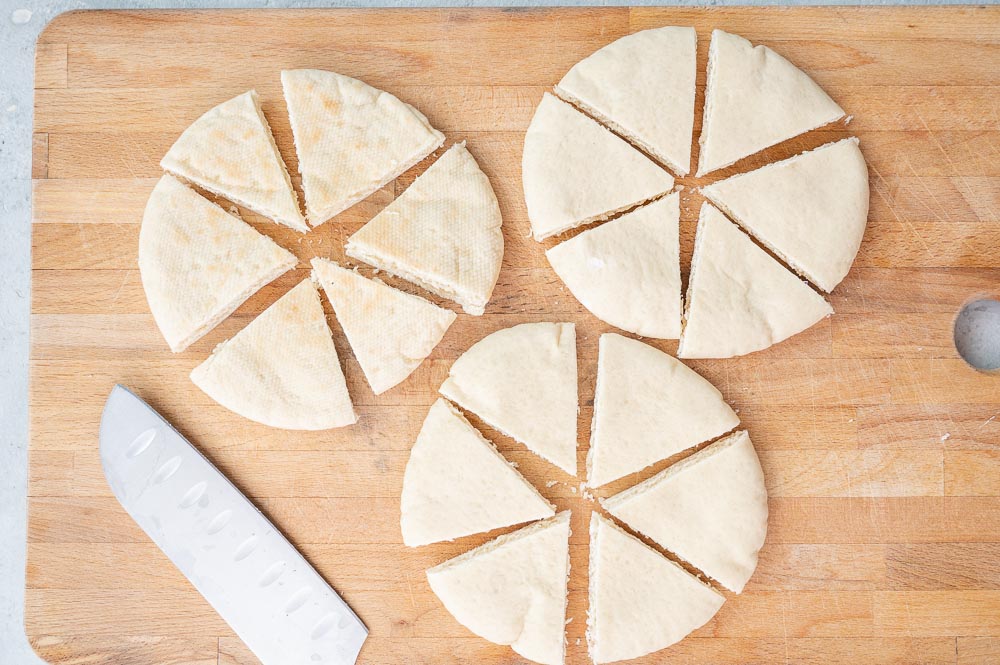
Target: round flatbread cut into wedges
[(281, 370), (811, 209), (198, 263), (442, 233), (647, 407), (390, 331), (351, 138), (755, 99), (642, 86), (640, 601), (576, 172), (740, 299), (512, 590), (457, 484), (710, 509), (230, 152), (627, 271), (522, 381)]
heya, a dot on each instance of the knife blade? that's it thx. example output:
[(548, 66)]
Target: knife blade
[(244, 567)]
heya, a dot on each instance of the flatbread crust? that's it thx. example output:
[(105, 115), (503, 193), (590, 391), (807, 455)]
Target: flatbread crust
[(709, 509), (575, 171), (281, 370), (640, 601), (390, 331), (351, 138), (647, 407), (512, 590), (642, 86), (522, 381), (811, 209), (442, 233), (740, 299), (755, 99), (627, 271), (457, 484), (198, 263), (230, 152)]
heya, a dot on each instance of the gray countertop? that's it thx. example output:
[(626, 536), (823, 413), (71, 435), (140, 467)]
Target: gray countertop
[(20, 23)]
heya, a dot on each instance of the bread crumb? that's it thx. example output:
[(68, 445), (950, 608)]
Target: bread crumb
[(847, 120), (578, 641), (552, 483), (945, 436), (572, 490)]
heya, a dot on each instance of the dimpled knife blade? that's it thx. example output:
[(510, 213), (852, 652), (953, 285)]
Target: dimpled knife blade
[(253, 577)]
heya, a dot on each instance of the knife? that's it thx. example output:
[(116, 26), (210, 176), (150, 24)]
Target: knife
[(253, 577)]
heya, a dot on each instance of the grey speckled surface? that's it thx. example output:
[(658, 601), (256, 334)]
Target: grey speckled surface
[(20, 23)]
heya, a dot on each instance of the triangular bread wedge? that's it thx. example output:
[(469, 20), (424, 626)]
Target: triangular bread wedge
[(627, 272), (230, 152), (755, 99), (442, 233), (512, 590), (575, 171), (710, 509), (522, 381), (351, 138), (198, 263), (642, 86), (739, 299), (457, 484), (281, 370), (390, 331), (811, 210), (640, 601), (648, 406)]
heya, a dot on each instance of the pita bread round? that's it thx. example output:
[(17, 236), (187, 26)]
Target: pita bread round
[(351, 138), (390, 331), (755, 99), (647, 407), (198, 263), (811, 209), (642, 86), (457, 484), (575, 171), (627, 271), (230, 152), (710, 509), (522, 381), (740, 299), (512, 590), (442, 233), (281, 370), (640, 601)]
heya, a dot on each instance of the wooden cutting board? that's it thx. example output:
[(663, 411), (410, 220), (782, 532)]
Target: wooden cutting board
[(881, 448)]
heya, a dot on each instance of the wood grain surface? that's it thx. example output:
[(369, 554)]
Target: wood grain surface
[(880, 447)]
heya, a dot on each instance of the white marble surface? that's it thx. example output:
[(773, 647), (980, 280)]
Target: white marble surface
[(20, 23)]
